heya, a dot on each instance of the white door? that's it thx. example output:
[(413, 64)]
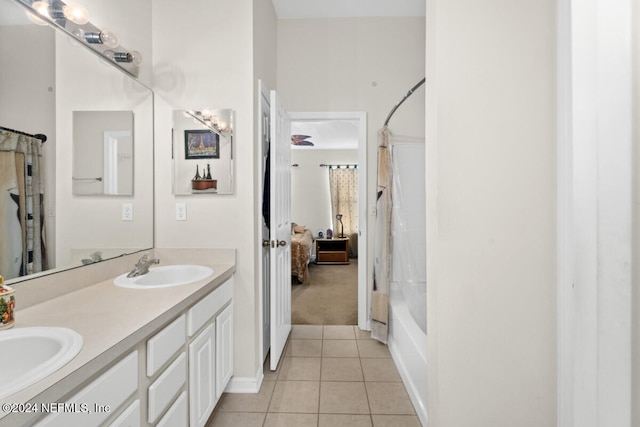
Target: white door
[(264, 127), (280, 227)]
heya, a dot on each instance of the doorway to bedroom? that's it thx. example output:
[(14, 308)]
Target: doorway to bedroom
[(328, 199)]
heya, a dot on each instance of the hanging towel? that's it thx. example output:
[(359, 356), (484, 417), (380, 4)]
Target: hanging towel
[(382, 253)]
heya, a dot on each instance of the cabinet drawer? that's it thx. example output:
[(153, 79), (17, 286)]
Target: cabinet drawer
[(332, 257), (176, 416), (129, 418), (165, 388), (204, 310), (110, 389), (162, 347)]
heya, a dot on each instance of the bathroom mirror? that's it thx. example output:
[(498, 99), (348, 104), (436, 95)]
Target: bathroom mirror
[(47, 79), (102, 153), (203, 151)]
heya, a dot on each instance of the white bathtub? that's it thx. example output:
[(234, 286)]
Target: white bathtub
[(408, 346)]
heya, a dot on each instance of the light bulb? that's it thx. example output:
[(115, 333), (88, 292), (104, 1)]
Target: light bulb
[(76, 13), (78, 32), (109, 39), (136, 58), (42, 10), (36, 19), (109, 54)]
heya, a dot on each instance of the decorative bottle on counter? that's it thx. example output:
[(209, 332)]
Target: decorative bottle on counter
[(208, 171), (7, 305)]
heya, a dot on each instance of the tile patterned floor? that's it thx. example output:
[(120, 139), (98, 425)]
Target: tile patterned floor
[(329, 376)]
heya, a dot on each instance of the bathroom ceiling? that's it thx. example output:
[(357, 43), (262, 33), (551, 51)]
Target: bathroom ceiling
[(292, 9)]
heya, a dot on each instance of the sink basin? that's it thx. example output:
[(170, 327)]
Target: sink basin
[(165, 276), (34, 353)]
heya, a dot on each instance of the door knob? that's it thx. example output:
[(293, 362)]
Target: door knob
[(282, 243), (265, 243)]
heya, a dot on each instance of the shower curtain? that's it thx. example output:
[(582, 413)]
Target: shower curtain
[(343, 185), (382, 254), (22, 247)]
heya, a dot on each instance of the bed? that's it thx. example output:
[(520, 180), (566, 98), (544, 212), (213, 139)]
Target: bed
[(301, 246)]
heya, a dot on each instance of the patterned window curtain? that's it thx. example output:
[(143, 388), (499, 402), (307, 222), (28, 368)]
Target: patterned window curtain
[(22, 248), (343, 183)]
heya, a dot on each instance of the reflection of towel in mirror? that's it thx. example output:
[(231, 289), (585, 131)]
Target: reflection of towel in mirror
[(21, 174), (10, 229)]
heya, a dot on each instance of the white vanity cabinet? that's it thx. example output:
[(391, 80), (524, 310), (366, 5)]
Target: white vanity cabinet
[(210, 352), (173, 378)]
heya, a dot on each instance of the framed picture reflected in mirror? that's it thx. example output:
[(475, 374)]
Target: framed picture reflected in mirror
[(201, 144)]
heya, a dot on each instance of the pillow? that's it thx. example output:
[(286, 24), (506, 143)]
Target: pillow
[(298, 228)]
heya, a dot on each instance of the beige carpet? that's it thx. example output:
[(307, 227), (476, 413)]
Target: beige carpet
[(331, 299)]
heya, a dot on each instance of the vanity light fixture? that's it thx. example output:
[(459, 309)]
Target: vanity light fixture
[(73, 12), (207, 119), (73, 19)]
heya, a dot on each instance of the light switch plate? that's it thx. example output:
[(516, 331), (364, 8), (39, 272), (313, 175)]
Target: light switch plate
[(181, 211), (127, 211)]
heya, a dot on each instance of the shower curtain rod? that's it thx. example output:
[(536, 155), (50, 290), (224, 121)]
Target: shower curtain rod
[(351, 165), (404, 98), (40, 136)]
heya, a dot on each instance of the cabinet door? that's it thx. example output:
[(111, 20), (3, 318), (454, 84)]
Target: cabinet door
[(202, 393), (224, 349)]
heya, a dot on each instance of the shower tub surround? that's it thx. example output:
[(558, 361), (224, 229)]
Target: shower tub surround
[(113, 321)]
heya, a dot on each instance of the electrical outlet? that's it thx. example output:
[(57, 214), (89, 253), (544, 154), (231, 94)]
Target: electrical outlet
[(127, 211), (181, 211)]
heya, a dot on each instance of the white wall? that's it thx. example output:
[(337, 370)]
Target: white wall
[(205, 59), (491, 295), (310, 193)]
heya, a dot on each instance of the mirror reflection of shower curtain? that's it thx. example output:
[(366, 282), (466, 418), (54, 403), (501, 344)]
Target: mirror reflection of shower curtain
[(22, 246), (343, 184)]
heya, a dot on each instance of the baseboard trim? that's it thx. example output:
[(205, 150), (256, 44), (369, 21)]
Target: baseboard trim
[(245, 384)]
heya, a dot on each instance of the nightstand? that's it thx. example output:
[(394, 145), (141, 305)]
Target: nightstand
[(332, 251)]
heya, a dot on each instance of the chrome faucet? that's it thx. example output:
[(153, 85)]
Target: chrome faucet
[(142, 266)]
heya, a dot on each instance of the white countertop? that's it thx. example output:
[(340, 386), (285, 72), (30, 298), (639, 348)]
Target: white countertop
[(112, 321)]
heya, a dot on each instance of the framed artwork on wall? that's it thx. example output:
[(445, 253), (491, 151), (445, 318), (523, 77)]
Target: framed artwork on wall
[(201, 144)]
